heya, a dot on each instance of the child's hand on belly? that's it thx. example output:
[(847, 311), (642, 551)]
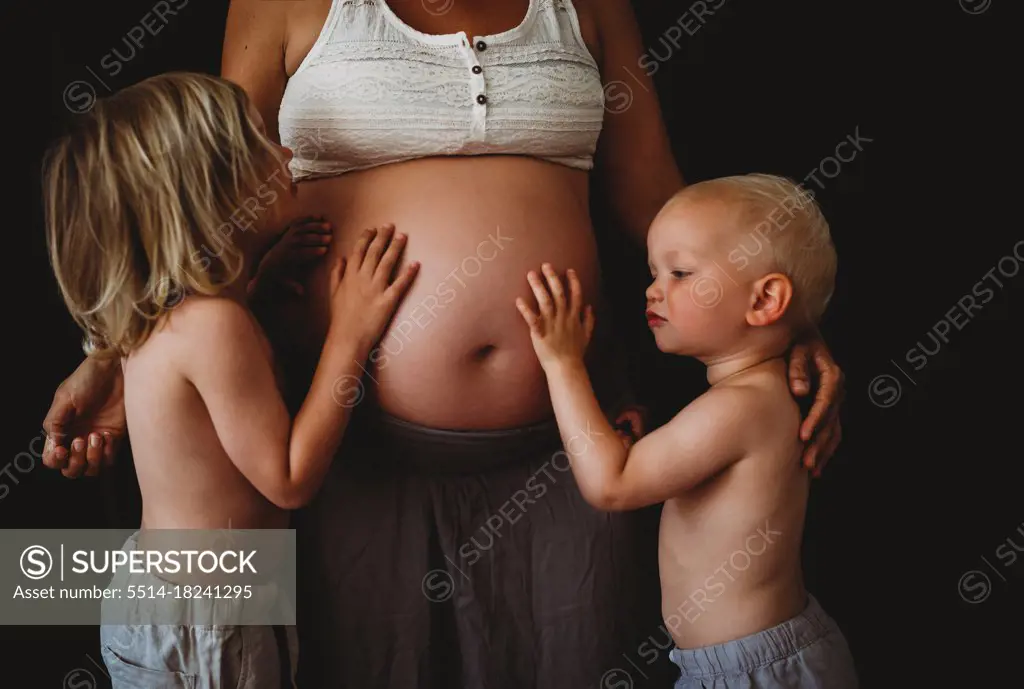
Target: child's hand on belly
[(563, 329), (364, 288)]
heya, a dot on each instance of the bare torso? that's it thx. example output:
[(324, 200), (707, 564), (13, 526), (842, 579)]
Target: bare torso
[(729, 551), (186, 478), (457, 354)]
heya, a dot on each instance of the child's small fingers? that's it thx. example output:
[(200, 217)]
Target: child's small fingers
[(588, 322), (541, 293), (338, 272), (555, 285), (376, 250), (398, 288), (575, 293), (390, 258), (528, 315), (359, 250)]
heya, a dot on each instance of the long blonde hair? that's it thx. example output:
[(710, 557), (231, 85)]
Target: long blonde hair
[(136, 196)]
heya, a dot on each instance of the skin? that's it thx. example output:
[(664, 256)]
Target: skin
[(223, 436), (476, 349), (727, 467)]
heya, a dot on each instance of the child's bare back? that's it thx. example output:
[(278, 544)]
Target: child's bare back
[(187, 479), (730, 547)]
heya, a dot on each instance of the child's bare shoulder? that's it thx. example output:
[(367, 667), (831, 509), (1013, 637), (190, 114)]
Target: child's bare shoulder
[(202, 318), (755, 409), (770, 404), (735, 401), (203, 326)]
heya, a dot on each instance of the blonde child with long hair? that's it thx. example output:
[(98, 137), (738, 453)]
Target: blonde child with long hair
[(159, 206)]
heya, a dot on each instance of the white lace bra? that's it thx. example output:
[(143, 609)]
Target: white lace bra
[(373, 90)]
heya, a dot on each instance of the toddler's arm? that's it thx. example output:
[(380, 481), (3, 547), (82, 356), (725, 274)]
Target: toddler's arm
[(704, 438), (230, 367), (232, 371)]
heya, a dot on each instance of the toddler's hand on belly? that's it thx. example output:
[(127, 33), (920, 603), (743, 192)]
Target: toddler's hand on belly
[(364, 291), (562, 329)]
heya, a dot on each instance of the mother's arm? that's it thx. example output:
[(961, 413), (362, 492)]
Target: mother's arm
[(638, 174), (254, 55), (634, 163)]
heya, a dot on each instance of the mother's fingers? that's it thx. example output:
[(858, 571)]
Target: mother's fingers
[(799, 382), (830, 450), (76, 462), (826, 402), (54, 455), (824, 441), (110, 445), (94, 454), (813, 448)]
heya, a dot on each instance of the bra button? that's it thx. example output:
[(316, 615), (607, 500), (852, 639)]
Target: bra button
[(481, 46), (481, 99), (477, 69)]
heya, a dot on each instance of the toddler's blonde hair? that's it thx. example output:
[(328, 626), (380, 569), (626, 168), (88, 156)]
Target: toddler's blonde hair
[(135, 195), (777, 212)]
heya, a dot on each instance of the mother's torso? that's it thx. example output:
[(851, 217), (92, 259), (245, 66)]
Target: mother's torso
[(457, 354)]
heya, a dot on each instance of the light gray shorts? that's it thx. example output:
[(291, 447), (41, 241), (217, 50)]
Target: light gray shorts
[(198, 656), (806, 652)]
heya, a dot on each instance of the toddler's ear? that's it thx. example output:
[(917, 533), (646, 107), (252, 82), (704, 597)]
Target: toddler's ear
[(771, 298)]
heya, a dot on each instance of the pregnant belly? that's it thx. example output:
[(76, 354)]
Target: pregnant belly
[(458, 353)]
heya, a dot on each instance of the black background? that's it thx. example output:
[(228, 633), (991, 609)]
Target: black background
[(919, 493)]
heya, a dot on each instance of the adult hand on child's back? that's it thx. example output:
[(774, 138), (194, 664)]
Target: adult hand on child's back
[(365, 291), (86, 421), (631, 424), (821, 429)]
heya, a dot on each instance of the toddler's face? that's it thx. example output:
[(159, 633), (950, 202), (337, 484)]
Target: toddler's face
[(694, 307)]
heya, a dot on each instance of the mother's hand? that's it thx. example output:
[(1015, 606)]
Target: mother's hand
[(631, 424), (821, 429), (90, 402)]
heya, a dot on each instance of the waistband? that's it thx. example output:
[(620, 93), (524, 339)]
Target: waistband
[(757, 650), (445, 450)]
